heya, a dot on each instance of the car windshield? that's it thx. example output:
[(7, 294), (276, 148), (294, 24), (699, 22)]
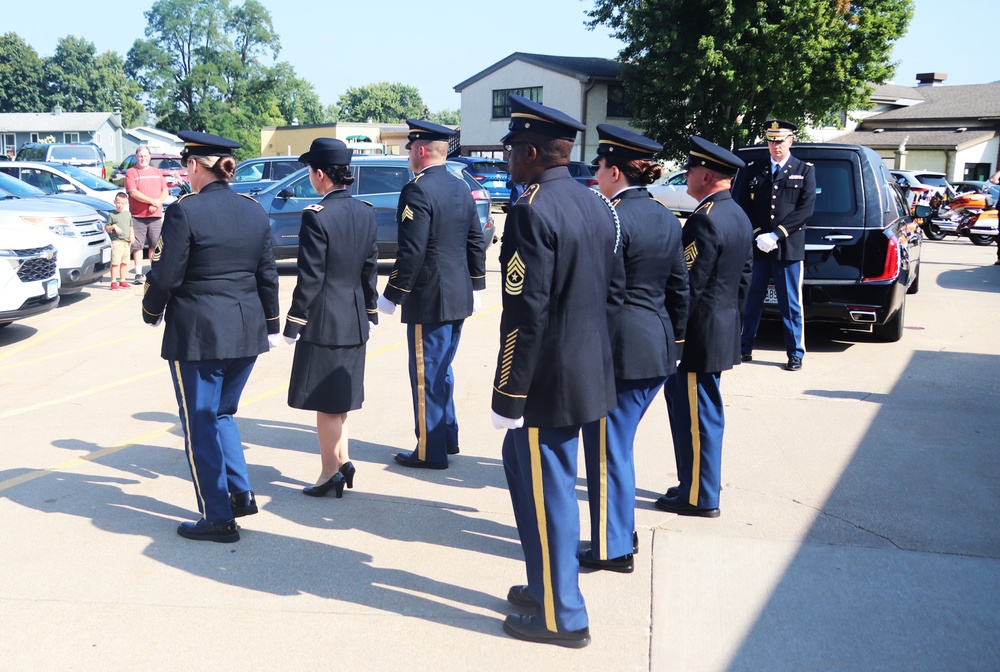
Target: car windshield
[(166, 163), (489, 167), (933, 180), (78, 153), (12, 186), (88, 180)]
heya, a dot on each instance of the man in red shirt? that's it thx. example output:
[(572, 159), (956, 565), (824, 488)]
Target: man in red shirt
[(147, 189)]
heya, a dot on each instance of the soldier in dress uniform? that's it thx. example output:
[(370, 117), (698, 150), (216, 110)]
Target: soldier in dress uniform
[(439, 273), (778, 197), (333, 309), (561, 252), (717, 239), (646, 344), (215, 285)]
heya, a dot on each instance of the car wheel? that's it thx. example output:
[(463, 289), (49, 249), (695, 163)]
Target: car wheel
[(892, 330), (915, 285), (978, 239), (933, 231)]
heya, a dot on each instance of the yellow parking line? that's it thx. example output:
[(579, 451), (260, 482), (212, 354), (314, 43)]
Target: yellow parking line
[(84, 393), (76, 351)]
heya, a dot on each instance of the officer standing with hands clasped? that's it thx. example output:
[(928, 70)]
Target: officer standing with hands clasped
[(646, 344), (717, 238), (778, 197), (215, 285), (559, 256), (439, 273)]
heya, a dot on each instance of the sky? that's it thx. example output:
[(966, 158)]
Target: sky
[(438, 44)]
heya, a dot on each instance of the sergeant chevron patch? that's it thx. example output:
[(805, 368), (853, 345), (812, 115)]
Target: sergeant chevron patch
[(514, 282), (690, 253), (158, 250), (407, 214)]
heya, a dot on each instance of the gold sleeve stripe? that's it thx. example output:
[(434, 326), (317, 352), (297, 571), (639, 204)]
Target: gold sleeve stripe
[(149, 313), (476, 277), (269, 319), (783, 230), (508, 357), (512, 396), (372, 311), (297, 320), (389, 284)]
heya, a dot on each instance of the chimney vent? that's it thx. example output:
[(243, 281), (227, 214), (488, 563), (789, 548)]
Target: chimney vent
[(931, 78)]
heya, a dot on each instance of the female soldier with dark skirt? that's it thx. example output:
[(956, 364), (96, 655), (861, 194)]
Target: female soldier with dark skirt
[(646, 342), (334, 307)]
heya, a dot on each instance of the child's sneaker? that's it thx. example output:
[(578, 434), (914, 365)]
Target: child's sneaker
[(124, 285), (114, 286)]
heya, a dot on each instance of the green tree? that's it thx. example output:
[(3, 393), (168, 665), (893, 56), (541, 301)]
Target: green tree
[(80, 80), (447, 117), (721, 69), (22, 76), (382, 103)]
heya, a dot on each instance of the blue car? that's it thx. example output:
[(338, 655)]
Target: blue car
[(377, 180), (492, 174), (255, 175)]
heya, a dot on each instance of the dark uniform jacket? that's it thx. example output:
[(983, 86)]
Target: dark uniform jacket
[(781, 206), (442, 254), (214, 273), (654, 315), (717, 239), (560, 254), (336, 295)]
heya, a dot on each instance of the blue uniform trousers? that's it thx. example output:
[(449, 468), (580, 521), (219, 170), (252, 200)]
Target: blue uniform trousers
[(540, 464), (208, 393), (432, 348), (609, 457), (788, 286), (697, 422)]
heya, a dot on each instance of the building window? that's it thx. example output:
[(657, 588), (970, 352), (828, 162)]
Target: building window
[(33, 137), (501, 102), (616, 101), (7, 144), (71, 137), (96, 139), (976, 171)]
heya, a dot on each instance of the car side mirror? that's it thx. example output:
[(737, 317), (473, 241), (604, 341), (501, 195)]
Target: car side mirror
[(923, 211), (286, 194), (68, 189)]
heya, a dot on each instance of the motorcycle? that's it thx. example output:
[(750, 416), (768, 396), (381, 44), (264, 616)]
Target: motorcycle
[(968, 215)]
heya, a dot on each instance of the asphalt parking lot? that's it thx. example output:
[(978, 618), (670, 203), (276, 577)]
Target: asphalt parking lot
[(859, 526)]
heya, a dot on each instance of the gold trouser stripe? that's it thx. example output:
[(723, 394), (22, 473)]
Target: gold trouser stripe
[(188, 446), (548, 604), (602, 522), (802, 337), (695, 439), (418, 355)]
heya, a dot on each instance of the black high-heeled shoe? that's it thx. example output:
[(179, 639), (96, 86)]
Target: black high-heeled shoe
[(347, 469), (336, 484)]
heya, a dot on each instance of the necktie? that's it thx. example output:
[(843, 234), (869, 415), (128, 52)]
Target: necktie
[(774, 175)]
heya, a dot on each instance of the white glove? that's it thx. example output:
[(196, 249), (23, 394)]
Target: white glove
[(371, 327), (291, 341), (477, 300), (767, 242), (500, 422), (273, 340), (386, 306)]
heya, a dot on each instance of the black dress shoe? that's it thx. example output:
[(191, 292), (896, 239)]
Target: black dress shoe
[(635, 542), (453, 450), (672, 492), (675, 505), (520, 597), (243, 503), (225, 532), (408, 460), (623, 564), (794, 363), (524, 627), (336, 484), (746, 357), (348, 470)]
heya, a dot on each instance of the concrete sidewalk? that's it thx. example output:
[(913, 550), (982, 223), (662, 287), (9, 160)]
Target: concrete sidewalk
[(859, 526)]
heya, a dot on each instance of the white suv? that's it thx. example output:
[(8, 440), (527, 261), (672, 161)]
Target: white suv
[(83, 245), (29, 278)]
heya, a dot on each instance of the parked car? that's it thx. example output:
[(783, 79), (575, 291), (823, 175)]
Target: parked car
[(169, 165), (920, 186), (584, 173), (492, 174), (29, 277), (83, 245), (58, 178), (11, 186), (84, 155), (672, 192), (377, 180), (862, 245), (255, 175)]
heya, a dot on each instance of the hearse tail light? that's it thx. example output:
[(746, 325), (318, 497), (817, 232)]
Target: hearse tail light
[(891, 268)]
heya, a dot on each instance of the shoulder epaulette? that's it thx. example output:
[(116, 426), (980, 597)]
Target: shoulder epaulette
[(182, 197), (808, 163), (368, 203), (314, 207), (418, 176), (529, 193), (248, 196)]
